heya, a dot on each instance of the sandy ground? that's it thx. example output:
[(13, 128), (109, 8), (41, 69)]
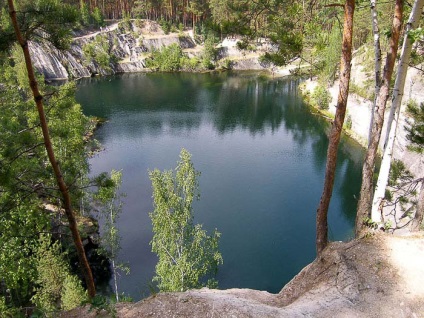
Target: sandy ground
[(378, 276)]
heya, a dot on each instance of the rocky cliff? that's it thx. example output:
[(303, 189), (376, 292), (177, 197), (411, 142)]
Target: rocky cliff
[(125, 48), (121, 48)]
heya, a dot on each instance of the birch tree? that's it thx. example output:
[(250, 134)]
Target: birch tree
[(109, 205), (187, 255), (364, 204), (336, 129), (377, 59), (393, 118)]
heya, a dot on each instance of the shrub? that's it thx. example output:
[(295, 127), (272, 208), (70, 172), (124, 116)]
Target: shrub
[(321, 97), (168, 59), (190, 64), (242, 45), (165, 25), (227, 64), (97, 51), (139, 23), (209, 53), (125, 25), (57, 288), (98, 17)]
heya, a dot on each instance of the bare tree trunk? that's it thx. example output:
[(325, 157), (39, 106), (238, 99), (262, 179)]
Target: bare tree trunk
[(364, 204), (38, 98), (377, 58), (336, 129), (419, 214), (393, 119)]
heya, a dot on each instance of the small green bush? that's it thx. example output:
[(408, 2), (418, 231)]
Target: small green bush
[(242, 45), (98, 51), (209, 53), (168, 59), (57, 288), (321, 97), (125, 25), (227, 64), (139, 23), (165, 25), (190, 64), (98, 18)]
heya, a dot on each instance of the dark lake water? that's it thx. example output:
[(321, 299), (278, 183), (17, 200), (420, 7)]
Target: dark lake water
[(261, 154)]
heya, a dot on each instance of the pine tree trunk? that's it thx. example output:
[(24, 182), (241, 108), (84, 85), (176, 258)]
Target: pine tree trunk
[(38, 98), (366, 194), (393, 119), (336, 129), (377, 58)]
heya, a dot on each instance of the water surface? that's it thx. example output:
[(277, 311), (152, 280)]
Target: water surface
[(261, 154)]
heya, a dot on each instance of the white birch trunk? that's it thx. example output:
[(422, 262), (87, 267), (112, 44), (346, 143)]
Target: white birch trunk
[(377, 58), (115, 280), (393, 119)]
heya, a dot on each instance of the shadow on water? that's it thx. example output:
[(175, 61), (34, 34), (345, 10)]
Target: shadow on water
[(262, 155)]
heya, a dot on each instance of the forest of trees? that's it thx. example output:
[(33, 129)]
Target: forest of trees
[(43, 133)]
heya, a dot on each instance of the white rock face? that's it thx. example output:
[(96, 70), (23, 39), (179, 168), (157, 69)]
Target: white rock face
[(55, 64), (359, 111), (129, 49), (48, 61)]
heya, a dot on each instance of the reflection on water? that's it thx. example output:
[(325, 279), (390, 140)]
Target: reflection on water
[(262, 157)]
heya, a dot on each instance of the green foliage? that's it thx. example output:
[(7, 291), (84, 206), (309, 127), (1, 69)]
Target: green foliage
[(98, 18), (98, 51), (100, 302), (84, 13), (415, 126), (57, 288), (242, 44), (165, 25), (7, 34), (370, 223), (171, 58), (26, 180), (209, 53), (321, 97), (125, 25), (190, 64), (53, 25), (187, 255), (139, 23), (227, 64), (330, 55), (398, 172), (168, 59), (348, 123), (109, 205), (7, 311), (73, 294)]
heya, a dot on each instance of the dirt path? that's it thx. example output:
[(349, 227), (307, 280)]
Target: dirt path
[(109, 28)]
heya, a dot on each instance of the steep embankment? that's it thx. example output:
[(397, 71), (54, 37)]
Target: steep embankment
[(380, 276), (127, 46), (359, 114)]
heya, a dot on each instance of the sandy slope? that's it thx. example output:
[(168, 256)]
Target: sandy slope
[(380, 276)]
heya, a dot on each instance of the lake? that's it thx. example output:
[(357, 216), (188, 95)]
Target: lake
[(261, 154)]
